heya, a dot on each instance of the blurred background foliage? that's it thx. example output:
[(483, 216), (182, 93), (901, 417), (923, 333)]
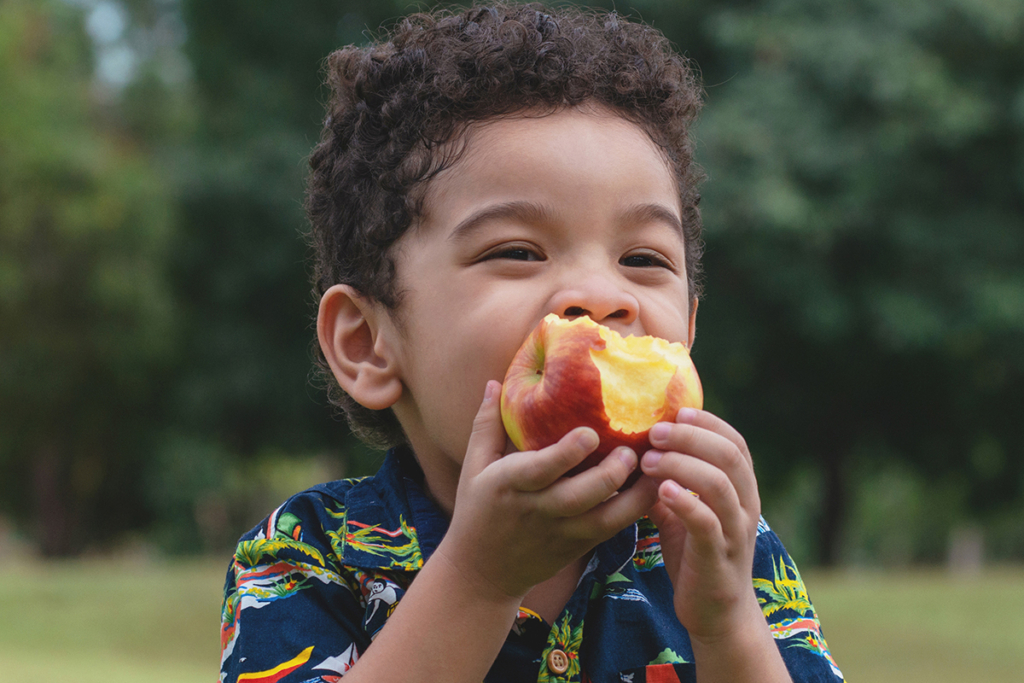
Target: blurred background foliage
[(863, 323)]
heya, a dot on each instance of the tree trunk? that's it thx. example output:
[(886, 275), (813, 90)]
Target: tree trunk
[(53, 529), (835, 500)]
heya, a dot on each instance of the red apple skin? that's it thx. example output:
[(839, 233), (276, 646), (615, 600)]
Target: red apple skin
[(540, 407)]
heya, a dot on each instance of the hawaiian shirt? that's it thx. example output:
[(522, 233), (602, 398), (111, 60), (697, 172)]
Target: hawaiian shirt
[(311, 586)]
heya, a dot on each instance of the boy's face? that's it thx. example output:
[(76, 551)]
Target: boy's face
[(572, 213)]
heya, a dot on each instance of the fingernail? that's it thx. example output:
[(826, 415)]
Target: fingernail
[(489, 391), (651, 458), (627, 456), (659, 432), (588, 440), (686, 415), (670, 489)]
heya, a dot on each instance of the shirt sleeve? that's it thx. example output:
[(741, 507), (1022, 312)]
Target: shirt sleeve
[(791, 617), (291, 613)]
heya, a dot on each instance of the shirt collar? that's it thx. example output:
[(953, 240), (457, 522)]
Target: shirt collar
[(391, 523)]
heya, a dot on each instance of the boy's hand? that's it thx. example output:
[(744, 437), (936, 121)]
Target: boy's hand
[(517, 521), (707, 536)]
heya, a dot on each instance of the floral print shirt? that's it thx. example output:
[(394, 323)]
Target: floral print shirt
[(310, 587)]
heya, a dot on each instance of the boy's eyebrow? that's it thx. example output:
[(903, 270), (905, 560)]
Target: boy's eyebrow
[(527, 212), (650, 213)]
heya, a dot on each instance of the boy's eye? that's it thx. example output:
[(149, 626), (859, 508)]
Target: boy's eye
[(644, 259), (514, 253)]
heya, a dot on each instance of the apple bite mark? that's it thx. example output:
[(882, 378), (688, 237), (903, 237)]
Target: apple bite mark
[(573, 373), (635, 406)]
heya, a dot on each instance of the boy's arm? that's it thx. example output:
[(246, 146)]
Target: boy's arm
[(708, 534), (516, 523), (749, 654), (443, 630)]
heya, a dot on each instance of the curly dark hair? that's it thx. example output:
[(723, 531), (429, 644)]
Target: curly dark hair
[(397, 104)]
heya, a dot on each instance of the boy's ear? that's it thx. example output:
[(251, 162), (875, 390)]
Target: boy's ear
[(349, 329), (692, 329)]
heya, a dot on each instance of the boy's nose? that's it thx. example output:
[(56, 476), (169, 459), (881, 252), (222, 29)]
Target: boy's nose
[(603, 301)]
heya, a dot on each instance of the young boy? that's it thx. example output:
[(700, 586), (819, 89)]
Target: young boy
[(478, 171)]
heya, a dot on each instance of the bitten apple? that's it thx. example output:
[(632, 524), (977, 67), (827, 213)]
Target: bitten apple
[(573, 373)]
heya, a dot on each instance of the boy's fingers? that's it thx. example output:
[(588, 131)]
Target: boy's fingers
[(711, 485), (666, 520), (487, 441), (536, 470), (706, 445), (616, 513), (577, 494), (701, 522), (670, 526), (711, 422)]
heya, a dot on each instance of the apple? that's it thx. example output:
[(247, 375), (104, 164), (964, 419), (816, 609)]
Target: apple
[(573, 373)]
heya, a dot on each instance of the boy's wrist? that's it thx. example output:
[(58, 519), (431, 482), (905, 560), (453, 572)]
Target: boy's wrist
[(461, 572), (744, 652), (744, 622)]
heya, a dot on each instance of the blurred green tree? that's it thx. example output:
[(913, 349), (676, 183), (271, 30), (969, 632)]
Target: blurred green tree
[(238, 260), (87, 316), (865, 237)]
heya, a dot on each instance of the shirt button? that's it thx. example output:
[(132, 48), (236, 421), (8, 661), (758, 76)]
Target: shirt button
[(558, 662)]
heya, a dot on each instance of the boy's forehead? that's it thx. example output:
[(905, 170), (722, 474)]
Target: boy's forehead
[(492, 158)]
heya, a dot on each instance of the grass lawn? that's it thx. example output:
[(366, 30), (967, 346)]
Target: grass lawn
[(108, 622), (906, 627)]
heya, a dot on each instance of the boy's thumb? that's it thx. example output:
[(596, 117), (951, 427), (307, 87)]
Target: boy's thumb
[(487, 441)]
